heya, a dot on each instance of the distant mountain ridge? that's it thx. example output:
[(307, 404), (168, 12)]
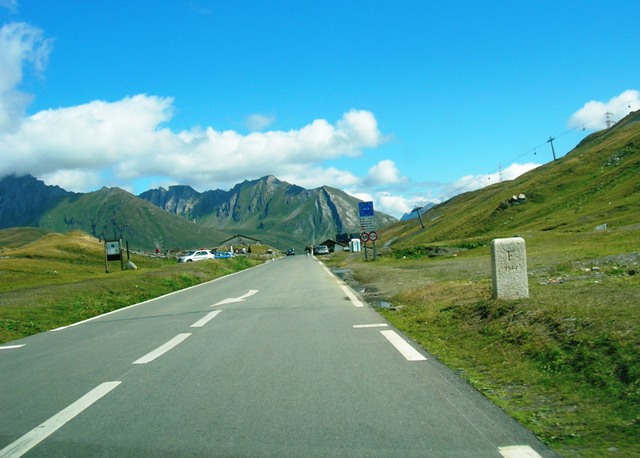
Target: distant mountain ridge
[(268, 209), (273, 211)]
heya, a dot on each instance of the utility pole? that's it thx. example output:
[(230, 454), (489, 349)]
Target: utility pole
[(417, 210), (607, 119), (551, 139)]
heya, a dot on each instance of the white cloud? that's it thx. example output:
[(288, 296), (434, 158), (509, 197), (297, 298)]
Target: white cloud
[(259, 121), (72, 180), (315, 176), (11, 5), (126, 138), (393, 204), (383, 173), (473, 182), (20, 44), (593, 115)]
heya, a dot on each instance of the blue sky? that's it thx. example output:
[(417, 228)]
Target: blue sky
[(402, 103)]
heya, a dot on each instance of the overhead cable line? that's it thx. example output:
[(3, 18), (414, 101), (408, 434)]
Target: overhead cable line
[(608, 122)]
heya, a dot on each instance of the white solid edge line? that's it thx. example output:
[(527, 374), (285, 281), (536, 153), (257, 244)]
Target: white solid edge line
[(410, 353), (12, 347), (352, 297), (518, 451), (208, 317), (162, 349), (379, 325), (153, 299), (41, 432)]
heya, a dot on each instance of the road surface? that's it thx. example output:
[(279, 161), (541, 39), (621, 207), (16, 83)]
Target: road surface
[(279, 360)]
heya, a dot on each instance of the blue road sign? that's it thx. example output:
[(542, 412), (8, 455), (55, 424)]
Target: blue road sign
[(365, 208)]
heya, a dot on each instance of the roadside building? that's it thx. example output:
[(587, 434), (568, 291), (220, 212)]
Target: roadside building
[(332, 244)]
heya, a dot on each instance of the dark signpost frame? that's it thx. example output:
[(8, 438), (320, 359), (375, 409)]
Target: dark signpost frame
[(113, 252)]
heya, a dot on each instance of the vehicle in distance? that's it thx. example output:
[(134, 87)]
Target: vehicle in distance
[(321, 249), (196, 255), (291, 252), (223, 254)]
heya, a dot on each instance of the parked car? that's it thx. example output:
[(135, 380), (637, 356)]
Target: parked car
[(196, 255), (291, 252), (321, 249), (223, 254)]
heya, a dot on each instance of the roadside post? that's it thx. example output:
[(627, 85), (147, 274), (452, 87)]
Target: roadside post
[(367, 227), (113, 252), (509, 268)]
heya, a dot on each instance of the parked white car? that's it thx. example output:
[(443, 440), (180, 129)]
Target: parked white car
[(197, 255), (321, 249)]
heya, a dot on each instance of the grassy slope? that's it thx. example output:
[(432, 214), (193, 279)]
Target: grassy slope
[(564, 362), (114, 213), (595, 184), (60, 279)]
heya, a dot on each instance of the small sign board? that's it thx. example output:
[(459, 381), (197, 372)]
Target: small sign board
[(366, 224), (113, 250), (366, 216)]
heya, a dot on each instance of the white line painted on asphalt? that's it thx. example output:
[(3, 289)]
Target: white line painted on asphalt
[(352, 297), (40, 433), (162, 349), (518, 451), (156, 298), (378, 325), (410, 353), (206, 319), (232, 300), (11, 347)]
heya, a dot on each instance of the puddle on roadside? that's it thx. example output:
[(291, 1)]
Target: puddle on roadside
[(381, 304), (343, 273)]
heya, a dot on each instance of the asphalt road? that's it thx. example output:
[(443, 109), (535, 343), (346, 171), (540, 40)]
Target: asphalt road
[(279, 360)]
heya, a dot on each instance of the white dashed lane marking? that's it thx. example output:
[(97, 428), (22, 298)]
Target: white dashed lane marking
[(41, 432), (410, 353), (162, 349), (208, 317)]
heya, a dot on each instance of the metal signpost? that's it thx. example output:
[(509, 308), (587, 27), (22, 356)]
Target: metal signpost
[(367, 226), (113, 252)]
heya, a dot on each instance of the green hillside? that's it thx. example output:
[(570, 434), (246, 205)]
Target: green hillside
[(597, 183), (114, 213), (564, 361), (18, 236)]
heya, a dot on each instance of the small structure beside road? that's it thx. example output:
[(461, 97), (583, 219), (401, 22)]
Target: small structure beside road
[(509, 268)]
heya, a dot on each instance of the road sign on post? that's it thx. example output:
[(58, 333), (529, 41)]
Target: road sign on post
[(367, 225), (113, 252)]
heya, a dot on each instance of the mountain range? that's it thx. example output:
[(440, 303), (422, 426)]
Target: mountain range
[(275, 212), (595, 185)]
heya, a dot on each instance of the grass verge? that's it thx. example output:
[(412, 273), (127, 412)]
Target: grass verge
[(46, 294), (563, 362)]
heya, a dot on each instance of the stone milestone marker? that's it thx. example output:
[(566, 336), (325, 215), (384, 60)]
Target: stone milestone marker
[(509, 268)]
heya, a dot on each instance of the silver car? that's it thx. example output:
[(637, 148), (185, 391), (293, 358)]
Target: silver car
[(321, 249)]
